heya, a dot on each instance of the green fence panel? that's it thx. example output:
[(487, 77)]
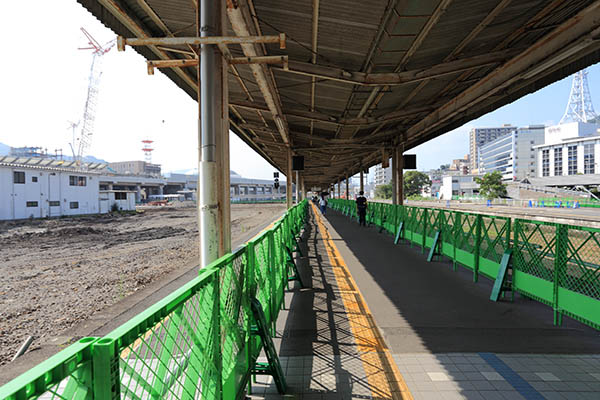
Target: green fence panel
[(448, 237), (494, 241), (578, 292), (196, 343), (466, 238), (533, 256), (66, 375)]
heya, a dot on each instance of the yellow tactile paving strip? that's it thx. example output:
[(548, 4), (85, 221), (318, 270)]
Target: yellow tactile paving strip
[(385, 380)]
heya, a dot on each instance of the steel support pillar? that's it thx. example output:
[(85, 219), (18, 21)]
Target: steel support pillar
[(297, 186), (347, 188), (339, 189), (288, 179), (394, 176), (362, 181), (212, 141), (399, 172)]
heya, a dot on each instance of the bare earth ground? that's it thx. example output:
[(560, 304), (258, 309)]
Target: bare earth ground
[(56, 273)]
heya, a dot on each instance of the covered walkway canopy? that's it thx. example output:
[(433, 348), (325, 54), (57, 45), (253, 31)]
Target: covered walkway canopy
[(361, 79)]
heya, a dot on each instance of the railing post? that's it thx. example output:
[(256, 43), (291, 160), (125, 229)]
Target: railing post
[(250, 291), (560, 266), (274, 294), (216, 328), (105, 370), (478, 226), (424, 217), (457, 229)]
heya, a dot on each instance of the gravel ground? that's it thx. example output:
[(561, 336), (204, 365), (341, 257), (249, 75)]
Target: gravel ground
[(56, 273)]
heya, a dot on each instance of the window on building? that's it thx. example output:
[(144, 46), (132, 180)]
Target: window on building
[(54, 203), (545, 162), (77, 180), (588, 158), (34, 179), (558, 162), (73, 205), (32, 204), (18, 177), (572, 160), (120, 195)]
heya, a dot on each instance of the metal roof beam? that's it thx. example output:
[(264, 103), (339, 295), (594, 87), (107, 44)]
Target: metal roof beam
[(398, 78), (238, 23), (115, 9), (578, 34)]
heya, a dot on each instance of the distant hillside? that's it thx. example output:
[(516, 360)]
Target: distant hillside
[(5, 150)]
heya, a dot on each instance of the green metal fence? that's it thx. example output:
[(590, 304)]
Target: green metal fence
[(196, 343), (556, 264)]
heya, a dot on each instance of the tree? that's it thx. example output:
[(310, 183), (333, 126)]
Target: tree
[(414, 182), (383, 191), (491, 185)]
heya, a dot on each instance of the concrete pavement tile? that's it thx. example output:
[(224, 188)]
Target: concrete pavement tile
[(466, 367), (446, 386), (511, 395), (418, 377), (540, 386), (438, 376), (573, 396), (578, 386), (589, 395), (492, 376), (552, 395), (547, 376), (502, 385), (449, 395), (471, 395), (560, 386), (491, 395), (482, 385), (474, 376), (596, 375)]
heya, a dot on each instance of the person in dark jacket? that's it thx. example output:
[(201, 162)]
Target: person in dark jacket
[(361, 208)]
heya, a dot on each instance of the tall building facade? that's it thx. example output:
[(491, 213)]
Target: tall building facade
[(480, 136), (513, 154), (569, 149), (383, 176)]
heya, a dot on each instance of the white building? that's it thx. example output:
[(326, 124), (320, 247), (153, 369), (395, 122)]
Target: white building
[(383, 176), (569, 149), (43, 187), (458, 185), (513, 154)]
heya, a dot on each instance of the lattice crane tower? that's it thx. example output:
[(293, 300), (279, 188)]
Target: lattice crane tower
[(89, 111), (580, 107)]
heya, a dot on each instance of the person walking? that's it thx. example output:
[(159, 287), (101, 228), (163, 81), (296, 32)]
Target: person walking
[(361, 208), (323, 204)]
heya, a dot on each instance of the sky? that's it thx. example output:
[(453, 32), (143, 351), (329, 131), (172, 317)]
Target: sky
[(44, 85)]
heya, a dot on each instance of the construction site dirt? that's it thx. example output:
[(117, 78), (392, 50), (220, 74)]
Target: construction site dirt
[(56, 273)]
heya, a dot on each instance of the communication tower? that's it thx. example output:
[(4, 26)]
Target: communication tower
[(580, 107)]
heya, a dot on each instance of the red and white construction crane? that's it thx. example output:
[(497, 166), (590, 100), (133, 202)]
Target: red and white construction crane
[(83, 139)]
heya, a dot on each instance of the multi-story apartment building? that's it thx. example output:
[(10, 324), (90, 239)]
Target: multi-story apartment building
[(480, 136), (383, 176), (569, 149), (512, 154)]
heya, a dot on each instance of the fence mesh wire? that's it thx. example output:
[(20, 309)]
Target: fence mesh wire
[(534, 249), (582, 262)]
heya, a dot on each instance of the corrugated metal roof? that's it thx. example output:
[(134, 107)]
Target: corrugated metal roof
[(352, 121)]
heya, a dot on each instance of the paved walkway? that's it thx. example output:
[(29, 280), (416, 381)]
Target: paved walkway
[(441, 338)]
